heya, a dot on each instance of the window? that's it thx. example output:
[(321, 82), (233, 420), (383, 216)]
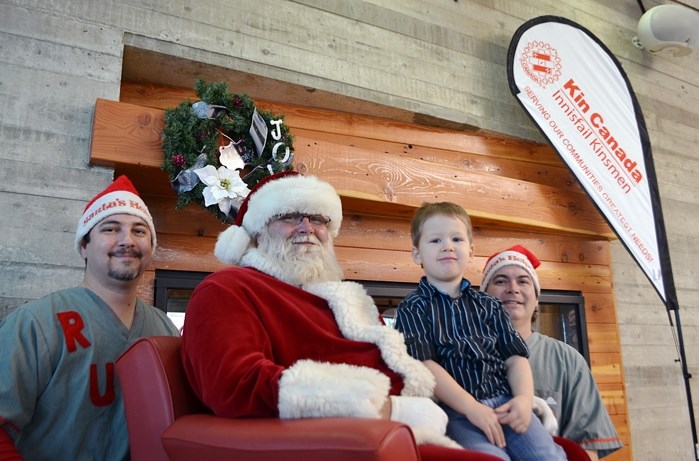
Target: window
[(172, 292), (562, 316), (561, 313)]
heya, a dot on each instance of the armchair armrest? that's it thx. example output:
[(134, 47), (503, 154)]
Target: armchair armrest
[(201, 436)]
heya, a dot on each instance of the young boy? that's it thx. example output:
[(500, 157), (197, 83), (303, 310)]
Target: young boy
[(465, 338)]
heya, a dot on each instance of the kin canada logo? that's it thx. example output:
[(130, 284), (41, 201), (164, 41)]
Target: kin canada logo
[(541, 63)]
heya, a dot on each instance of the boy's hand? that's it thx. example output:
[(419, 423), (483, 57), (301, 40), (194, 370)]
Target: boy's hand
[(516, 413), (485, 419)]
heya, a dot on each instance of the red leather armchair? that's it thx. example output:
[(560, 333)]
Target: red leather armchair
[(166, 422)]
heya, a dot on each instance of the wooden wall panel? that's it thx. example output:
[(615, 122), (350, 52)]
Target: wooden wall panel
[(603, 338), (184, 233), (185, 253), (146, 286), (614, 397), (506, 163), (606, 366), (599, 308), (359, 126), (378, 176)]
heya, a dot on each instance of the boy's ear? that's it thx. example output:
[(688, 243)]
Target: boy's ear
[(416, 256)]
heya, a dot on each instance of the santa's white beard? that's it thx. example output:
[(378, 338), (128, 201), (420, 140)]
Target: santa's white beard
[(301, 264)]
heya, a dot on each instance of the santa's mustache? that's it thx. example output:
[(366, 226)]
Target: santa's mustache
[(305, 239)]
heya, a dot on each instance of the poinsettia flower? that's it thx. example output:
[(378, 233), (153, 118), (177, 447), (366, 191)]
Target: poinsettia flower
[(223, 187)]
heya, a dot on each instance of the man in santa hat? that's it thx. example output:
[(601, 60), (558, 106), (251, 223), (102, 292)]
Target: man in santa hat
[(281, 335), (59, 398), (562, 378)]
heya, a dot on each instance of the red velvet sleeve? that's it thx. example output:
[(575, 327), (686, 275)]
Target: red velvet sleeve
[(226, 349), (8, 452)]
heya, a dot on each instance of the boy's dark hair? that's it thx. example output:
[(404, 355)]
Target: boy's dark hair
[(427, 210)]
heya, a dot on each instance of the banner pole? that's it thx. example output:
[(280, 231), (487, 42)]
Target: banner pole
[(687, 376)]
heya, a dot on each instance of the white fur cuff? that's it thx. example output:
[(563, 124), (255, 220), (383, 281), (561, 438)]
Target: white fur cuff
[(311, 389)]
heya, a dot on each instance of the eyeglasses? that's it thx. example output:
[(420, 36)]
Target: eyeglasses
[(297, 218)]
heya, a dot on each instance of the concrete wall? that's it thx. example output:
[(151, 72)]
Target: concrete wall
[(439, 59)]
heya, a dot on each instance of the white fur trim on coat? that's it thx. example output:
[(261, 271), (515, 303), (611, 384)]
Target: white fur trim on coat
[(358, 319), (311, 389)]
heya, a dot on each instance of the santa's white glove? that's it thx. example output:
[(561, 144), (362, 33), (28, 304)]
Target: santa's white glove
[(419, 413), (543, 411)]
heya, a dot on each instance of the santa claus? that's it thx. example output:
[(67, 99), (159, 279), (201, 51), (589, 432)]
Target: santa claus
[(280, 334)]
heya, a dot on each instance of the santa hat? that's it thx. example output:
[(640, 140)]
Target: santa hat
[(120, 197), (515, 256), (280, 193)]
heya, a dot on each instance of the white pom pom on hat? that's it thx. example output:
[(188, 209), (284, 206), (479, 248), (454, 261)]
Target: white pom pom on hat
[(232, 244), (515, 256), (120, 197), (280, 193)]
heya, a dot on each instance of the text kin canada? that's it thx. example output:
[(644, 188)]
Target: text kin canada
[(596, 120)]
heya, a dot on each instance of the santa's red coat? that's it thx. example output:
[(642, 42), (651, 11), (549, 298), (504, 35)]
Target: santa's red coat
[(254, 346)]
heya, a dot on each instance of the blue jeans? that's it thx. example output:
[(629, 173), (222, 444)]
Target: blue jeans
[(535, 444)]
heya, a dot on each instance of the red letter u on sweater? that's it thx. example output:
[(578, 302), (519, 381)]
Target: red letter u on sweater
[(102, 400)]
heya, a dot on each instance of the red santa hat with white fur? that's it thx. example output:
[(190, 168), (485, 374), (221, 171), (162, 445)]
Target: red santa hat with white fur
[(515, 256), (120, 197), (280, 193)]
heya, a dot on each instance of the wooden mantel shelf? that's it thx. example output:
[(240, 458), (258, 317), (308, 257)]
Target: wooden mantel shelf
[(126, 134), (381, 180)]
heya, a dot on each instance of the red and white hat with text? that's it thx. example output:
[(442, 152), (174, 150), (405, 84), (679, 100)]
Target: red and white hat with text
[(515, 256), (120, 197), (285, 192)]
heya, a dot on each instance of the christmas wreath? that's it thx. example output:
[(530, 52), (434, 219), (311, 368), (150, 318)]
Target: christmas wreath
[(217, 148)]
